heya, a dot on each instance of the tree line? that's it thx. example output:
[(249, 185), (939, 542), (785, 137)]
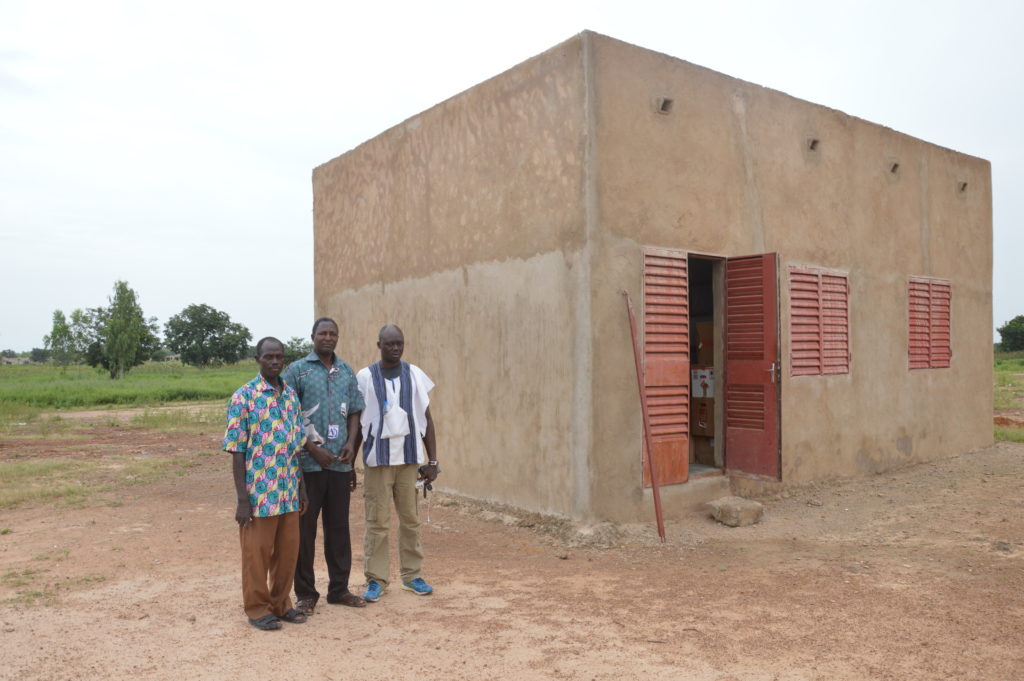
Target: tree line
[(1011, 334), (118, 336)]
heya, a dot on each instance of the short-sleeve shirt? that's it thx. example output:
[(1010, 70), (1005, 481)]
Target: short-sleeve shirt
[(266, 426), (327, 397), (374, 410)]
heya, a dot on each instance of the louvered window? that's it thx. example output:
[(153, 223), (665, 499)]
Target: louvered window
[(929, 302), (819, 322), (666, 341)]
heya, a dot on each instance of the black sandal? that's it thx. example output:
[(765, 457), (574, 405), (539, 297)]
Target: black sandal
[(306, 605), (266, 623), (294, 616)]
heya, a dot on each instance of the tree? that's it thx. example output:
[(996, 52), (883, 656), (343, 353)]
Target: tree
[(128, 338), (8, 353), (203, 335), (87, 332), (117, 337), (1012, 334), (61, 342), (39, 355), (297, 348)]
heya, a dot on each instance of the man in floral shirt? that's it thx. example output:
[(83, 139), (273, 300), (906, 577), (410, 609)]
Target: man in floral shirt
[(264, 435)]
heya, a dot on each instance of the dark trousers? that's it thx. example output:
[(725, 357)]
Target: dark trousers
[(329, 493)]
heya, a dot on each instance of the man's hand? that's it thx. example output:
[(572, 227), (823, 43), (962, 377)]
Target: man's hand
[(303, 502), (243, 513), (348, 453), (322, 456), (430, 473)]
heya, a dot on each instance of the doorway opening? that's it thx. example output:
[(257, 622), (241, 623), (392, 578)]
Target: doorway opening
[(706, 287)]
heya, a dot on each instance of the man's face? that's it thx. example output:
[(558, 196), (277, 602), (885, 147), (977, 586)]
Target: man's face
[(271, 360), (392, 345), (325, 339)]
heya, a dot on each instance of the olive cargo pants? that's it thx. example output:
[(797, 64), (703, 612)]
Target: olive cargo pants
[(383, 485)]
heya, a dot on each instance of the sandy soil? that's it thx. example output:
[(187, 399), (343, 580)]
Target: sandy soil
[(914, 575)]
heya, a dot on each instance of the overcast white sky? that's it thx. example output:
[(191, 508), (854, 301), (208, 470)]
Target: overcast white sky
[(171, 144)]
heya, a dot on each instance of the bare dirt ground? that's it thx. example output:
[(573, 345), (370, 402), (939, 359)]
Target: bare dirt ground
[(913, 575)]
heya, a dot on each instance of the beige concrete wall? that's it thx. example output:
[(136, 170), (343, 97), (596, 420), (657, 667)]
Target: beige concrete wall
[(495, 338), (464, 226), (500, 227), (490, 174), (727, 172)]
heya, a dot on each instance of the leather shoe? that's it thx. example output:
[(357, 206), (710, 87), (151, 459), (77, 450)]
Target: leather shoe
[(348, 598)]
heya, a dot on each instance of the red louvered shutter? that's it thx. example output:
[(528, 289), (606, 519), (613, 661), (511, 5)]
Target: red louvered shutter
[(919, 344), (819, 322), (751, 360), (929, 313), (940, 350), (805, 323), (835, 324), (667, 362)]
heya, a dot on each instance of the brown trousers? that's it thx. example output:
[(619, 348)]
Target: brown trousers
[(270, 546)]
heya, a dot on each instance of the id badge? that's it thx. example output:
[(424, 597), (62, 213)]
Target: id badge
[(332, 432), (344, 409)]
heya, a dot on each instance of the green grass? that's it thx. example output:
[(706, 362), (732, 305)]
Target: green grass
[(181, 420), (32, 590), (1017, 356), (29, 597), (16, 578), (27, 389), (1009, 392), (1008, 434), (1006, 399), (40, 427), (47, 480), (78, 481)]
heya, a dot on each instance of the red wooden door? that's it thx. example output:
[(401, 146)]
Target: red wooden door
[(667, 363), (752, 366)]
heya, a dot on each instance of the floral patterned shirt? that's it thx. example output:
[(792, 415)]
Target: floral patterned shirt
[(266, 426)]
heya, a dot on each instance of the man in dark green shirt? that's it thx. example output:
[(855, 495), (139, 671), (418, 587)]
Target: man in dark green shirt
[(331, 404)]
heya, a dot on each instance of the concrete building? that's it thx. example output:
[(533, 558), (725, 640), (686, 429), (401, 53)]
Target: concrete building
[(830, 279)]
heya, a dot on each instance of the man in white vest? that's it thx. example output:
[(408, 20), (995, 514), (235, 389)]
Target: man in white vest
[(398, 440)]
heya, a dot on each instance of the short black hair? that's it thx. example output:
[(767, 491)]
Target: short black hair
[(259, 345), (321, 321), (380, 334)]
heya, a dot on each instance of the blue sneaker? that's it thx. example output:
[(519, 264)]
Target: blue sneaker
[(373, 592), (418, 587)]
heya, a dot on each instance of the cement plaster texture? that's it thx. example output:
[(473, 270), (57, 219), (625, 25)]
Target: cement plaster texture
[(728, 171), (490, 174), (500, 354), (500, 228)]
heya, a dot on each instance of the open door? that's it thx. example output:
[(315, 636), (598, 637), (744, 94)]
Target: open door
[(666, 327), (752, 366)]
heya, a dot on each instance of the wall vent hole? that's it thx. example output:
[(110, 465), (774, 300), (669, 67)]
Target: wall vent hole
[(664, 105), (812, 144), (961, 187), (894, 168)]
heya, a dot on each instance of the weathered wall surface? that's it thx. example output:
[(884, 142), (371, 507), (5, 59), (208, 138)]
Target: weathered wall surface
[(728, 172), (464, 226), (489, 174), (500, 227)]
